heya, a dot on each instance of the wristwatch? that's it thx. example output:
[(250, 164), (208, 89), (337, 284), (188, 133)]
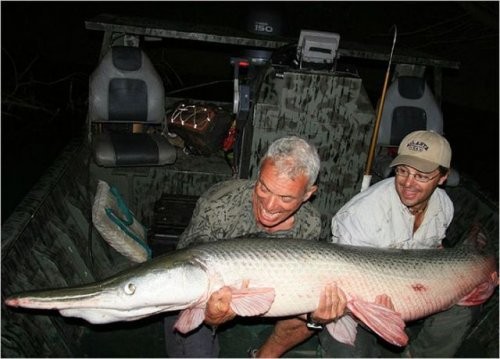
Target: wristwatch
[(311, 324)]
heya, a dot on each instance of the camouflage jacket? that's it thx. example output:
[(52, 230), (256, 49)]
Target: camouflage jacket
[(224, 211)]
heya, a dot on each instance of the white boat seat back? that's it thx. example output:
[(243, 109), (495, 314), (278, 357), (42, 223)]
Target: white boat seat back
[(125, 88), (409, 106)]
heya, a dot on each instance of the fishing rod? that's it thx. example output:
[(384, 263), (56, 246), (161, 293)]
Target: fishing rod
[(371, 152)]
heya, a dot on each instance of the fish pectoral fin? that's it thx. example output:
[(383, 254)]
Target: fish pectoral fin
[(248, 302), (481, 293), (189, 319), (386, 322), (343, 329)]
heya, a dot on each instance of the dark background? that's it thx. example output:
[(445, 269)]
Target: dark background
[(47, 56)]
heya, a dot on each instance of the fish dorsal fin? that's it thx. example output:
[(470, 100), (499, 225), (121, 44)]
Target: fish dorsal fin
[(189, 319), (252, 301), (384, 321)]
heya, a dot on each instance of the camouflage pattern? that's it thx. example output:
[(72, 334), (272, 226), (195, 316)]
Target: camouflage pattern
[(331, 111), (225, 211), (48, 241), (142, 187)]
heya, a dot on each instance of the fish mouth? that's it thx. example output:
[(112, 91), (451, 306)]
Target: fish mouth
[(85, 306), (109, 315), (65, 298)]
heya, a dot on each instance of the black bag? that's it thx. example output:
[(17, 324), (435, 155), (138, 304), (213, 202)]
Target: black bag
[(202, 127)]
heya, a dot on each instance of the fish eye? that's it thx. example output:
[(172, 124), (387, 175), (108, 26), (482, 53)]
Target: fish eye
[(129, 288)]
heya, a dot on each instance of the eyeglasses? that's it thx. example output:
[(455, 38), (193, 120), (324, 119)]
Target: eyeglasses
[(404, 172)]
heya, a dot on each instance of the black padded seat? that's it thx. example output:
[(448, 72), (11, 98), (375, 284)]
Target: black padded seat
[(136, 149)]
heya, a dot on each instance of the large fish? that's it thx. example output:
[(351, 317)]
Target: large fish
[(283, 278)]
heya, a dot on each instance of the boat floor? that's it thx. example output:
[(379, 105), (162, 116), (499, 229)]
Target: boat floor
[(145, 339)]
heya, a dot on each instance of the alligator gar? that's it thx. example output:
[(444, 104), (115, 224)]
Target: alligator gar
[(282, 278)]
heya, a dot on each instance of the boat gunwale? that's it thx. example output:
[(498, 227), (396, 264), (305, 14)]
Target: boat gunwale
[(15, 225)]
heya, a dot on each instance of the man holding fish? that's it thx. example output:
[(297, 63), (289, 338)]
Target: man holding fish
[(407, 211), (266, 270), (276, 205)]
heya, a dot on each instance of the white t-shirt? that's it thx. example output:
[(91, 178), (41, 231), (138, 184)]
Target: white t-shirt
[(377, 218)]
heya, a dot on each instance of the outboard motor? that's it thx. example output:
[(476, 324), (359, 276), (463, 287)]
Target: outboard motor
[(266, 23), (262, 22)]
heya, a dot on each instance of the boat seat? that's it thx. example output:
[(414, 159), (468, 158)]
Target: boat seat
[(126, 89), (409, 106)]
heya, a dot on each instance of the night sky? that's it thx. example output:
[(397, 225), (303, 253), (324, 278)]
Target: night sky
[(47, 56)]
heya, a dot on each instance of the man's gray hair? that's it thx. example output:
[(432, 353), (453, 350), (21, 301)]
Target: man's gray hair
[(294, 156)]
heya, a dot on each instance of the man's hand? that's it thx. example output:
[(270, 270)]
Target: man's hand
[(218, 309), (332, 305), (291, 332)]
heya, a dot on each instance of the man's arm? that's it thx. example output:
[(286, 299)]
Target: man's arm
[(291, 332), (332, 305), (286, 334)]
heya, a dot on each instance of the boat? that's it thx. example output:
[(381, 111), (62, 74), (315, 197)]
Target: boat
[(281, 86)]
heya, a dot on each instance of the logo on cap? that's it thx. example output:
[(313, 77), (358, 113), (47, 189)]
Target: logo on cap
[(417, 146)]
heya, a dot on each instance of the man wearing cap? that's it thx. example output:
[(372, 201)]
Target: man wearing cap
[(407, 211)]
